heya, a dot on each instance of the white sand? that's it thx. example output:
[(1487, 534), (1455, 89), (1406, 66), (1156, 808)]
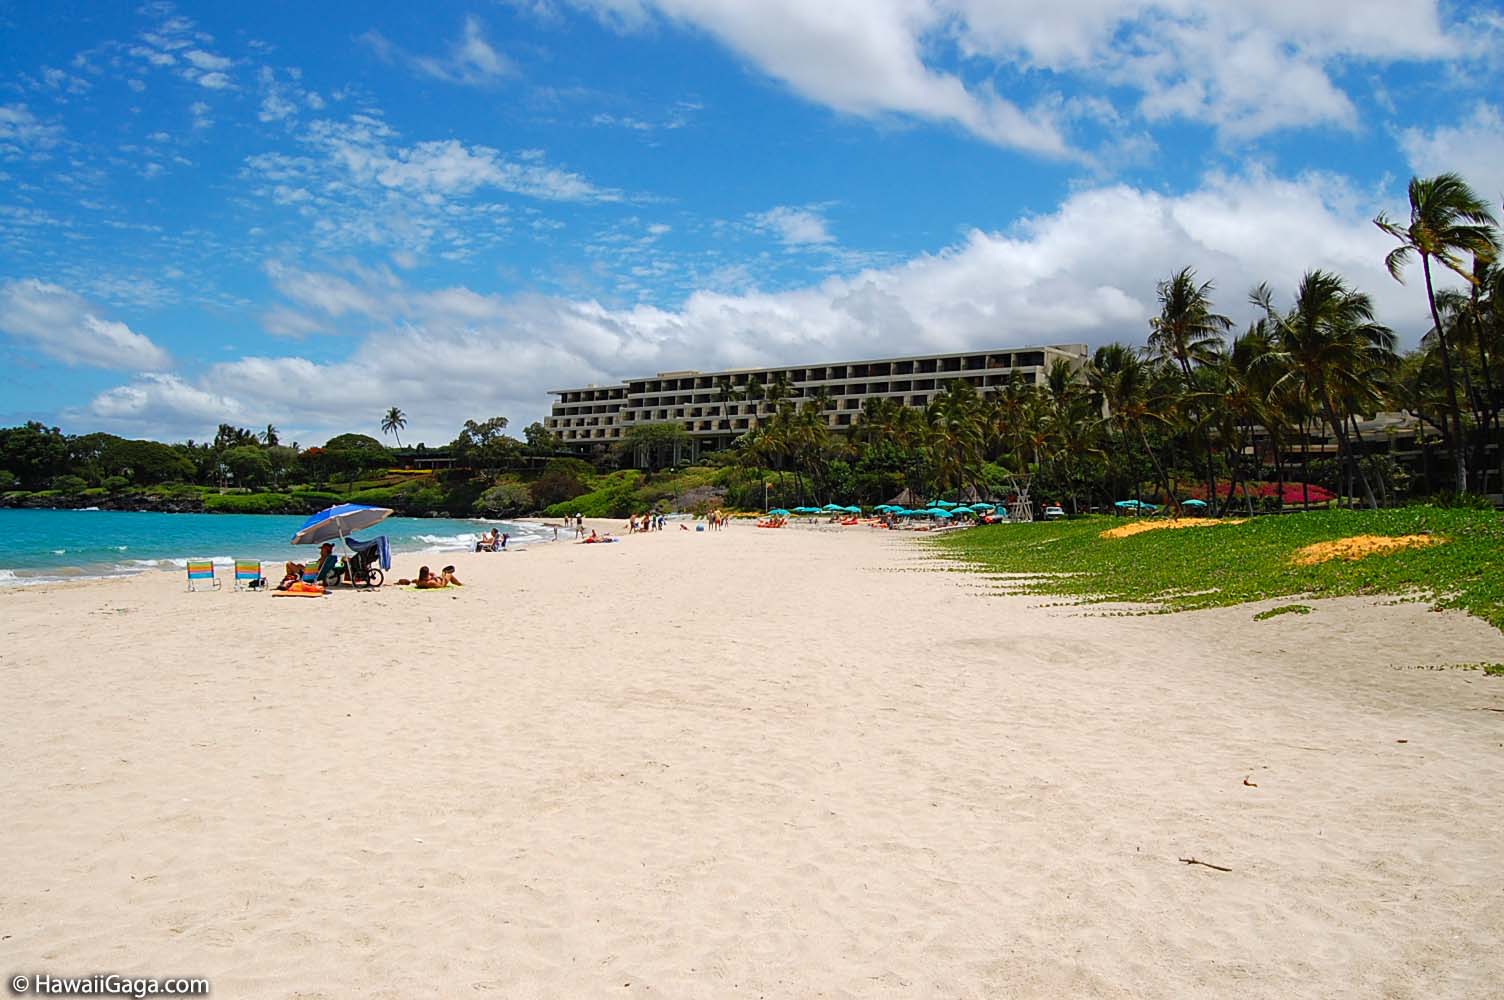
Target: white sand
[(753, 763)]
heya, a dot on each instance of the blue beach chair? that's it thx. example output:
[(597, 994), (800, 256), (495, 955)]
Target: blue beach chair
[(201, 573)]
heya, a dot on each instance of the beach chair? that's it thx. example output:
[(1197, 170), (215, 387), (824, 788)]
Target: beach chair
[(248, 574), (201, 574)]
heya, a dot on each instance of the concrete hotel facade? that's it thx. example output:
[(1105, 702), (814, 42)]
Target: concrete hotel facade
[(597, 416)]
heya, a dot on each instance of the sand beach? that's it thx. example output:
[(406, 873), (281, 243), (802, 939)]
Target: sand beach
[(796, 763)]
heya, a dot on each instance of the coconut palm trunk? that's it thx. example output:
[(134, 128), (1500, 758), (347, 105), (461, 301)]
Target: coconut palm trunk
[(1454, 412)]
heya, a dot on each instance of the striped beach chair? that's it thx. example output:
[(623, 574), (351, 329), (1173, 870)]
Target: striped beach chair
[(201, 574), (247, 572)]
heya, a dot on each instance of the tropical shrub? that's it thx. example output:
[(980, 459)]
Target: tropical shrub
[(253, 503), (504, 499)]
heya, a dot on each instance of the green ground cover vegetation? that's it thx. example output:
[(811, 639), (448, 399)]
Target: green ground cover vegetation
[(1231, 564)]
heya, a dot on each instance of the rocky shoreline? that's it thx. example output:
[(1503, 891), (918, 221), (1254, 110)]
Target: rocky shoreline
[(128, 502)]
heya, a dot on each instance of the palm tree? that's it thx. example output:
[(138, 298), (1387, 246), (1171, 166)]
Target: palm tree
[(1246, 381), (1330, 347), (1447, 220), (392, 422), (726, 395), (1124, 383), (269, 436), (956, 428), (1188, 333), (754, 393)]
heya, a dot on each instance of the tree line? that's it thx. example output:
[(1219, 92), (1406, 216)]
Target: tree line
[(35, 457), (1182, 413)]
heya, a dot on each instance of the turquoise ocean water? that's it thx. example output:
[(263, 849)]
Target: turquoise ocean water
[(42, 545)]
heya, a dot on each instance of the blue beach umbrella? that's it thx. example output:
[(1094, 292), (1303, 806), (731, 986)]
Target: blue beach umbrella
[(939, 513), (1193, 503), (983, 506), (833, 507), (339, 521), (779, 512), (853, 510)]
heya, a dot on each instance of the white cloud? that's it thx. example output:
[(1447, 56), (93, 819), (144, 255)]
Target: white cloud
[(161, 405), (1472, 147), (22, 133), (154, 56), (1083, 273), (176, 43), (274, 107), (62, 325), (471, 60), (207, 61), (1245, 69), (329, 294), (795, 227), (284, 322), (360, 186)]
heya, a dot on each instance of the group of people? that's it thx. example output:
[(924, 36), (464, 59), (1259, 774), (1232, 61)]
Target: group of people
[(429, 580), (496, 541), (647, 522), (716, 519)]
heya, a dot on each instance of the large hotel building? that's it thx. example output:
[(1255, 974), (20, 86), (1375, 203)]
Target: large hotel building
[(597, 416)]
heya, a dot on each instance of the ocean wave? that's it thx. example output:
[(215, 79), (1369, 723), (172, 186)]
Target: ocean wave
[(438, 543), (8, 578)]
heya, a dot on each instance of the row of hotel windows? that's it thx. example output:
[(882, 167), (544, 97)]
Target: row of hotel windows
[(798, 376), (874, 369), (738, 419), (568, 417), (848, 389), (730, 426)]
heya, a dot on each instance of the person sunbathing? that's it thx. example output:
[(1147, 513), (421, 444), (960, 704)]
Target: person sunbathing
[(295, 571), (326, 571), (426, 580)]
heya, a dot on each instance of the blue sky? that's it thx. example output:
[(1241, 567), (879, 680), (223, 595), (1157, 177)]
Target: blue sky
[(255, 214)]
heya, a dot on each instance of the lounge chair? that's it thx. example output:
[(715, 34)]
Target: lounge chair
[(248, 575), (201, 574), (327, 573)]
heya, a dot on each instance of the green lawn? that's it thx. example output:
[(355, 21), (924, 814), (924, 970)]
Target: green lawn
[(1235, 563)]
